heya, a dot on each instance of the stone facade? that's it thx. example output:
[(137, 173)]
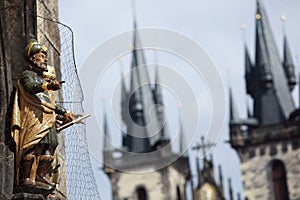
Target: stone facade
[(256, 177), (18, 23), (258, 147), (158, 184), (129, 173), (267, 142)]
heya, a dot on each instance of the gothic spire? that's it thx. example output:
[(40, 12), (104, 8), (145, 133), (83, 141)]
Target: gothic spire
[(272, 99), (262, 59), (233, 110), (106, 140), (288, 65), (221, 179), (238, 196), (142, 127), (124, 108), (248, 72), (182, 142), (230, 189), (124, 95), (158, 100)]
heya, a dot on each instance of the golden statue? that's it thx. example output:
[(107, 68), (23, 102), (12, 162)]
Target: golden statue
[(34, 118)]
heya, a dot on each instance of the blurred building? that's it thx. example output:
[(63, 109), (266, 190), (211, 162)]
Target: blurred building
[(146, 167), (267, 142), (136, 170)]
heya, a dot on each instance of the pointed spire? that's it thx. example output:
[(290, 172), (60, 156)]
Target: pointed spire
[(221, 179), (182, 139), (158, 100), (107, 146), (239, 196), (272, 93), (249, 73), (134, 14), (248, 64), (182, 142), (124, 95), (262, 61), (198, 164), (230, 189), (198, 170), (144, 126), (288, 65), (233, 110), (124, 107)]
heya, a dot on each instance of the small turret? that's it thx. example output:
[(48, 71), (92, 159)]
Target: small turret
[(288, 65)]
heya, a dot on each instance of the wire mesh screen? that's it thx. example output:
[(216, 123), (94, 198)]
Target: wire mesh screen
[(58, 38), (81, 182)]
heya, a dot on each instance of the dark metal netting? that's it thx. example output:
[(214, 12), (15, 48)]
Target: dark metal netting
[(80, 178)]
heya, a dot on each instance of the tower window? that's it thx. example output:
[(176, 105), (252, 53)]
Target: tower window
[(278, 173), (141, 193)]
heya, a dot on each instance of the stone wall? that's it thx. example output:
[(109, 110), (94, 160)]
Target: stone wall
[(13, 36), (18, 23), (160, 184), (48, 34), (176, 179), (255, 169)]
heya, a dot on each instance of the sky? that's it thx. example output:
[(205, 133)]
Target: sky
[(214, 25)]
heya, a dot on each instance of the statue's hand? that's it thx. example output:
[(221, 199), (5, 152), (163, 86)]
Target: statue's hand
[(70, 117), (54, 85)]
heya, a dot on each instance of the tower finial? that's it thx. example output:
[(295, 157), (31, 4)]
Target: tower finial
[(182, 143), (288, 63), (283, 19), (220, 178), (243, 29), (134, 14)]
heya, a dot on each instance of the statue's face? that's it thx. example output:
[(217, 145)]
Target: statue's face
[(41, 58), (40, 61)]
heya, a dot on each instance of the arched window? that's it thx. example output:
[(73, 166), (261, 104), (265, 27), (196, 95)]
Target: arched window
[(278, 175), (178, 193), (141, 193)]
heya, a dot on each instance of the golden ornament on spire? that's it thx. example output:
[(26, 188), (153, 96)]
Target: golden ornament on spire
[(283, 18), (258, 16)]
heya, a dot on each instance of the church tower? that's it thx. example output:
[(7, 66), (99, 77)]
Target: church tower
[(268, 141), (145, 168)]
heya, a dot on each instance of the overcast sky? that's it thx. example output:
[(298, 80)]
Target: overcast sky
[(214, 25)]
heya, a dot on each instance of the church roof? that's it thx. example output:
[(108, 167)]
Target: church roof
[(267, 81)]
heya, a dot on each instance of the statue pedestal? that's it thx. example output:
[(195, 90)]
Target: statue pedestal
[(39, 192), (27, 196)]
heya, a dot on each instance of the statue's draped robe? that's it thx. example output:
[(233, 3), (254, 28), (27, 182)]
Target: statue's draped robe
[(33, 116)]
